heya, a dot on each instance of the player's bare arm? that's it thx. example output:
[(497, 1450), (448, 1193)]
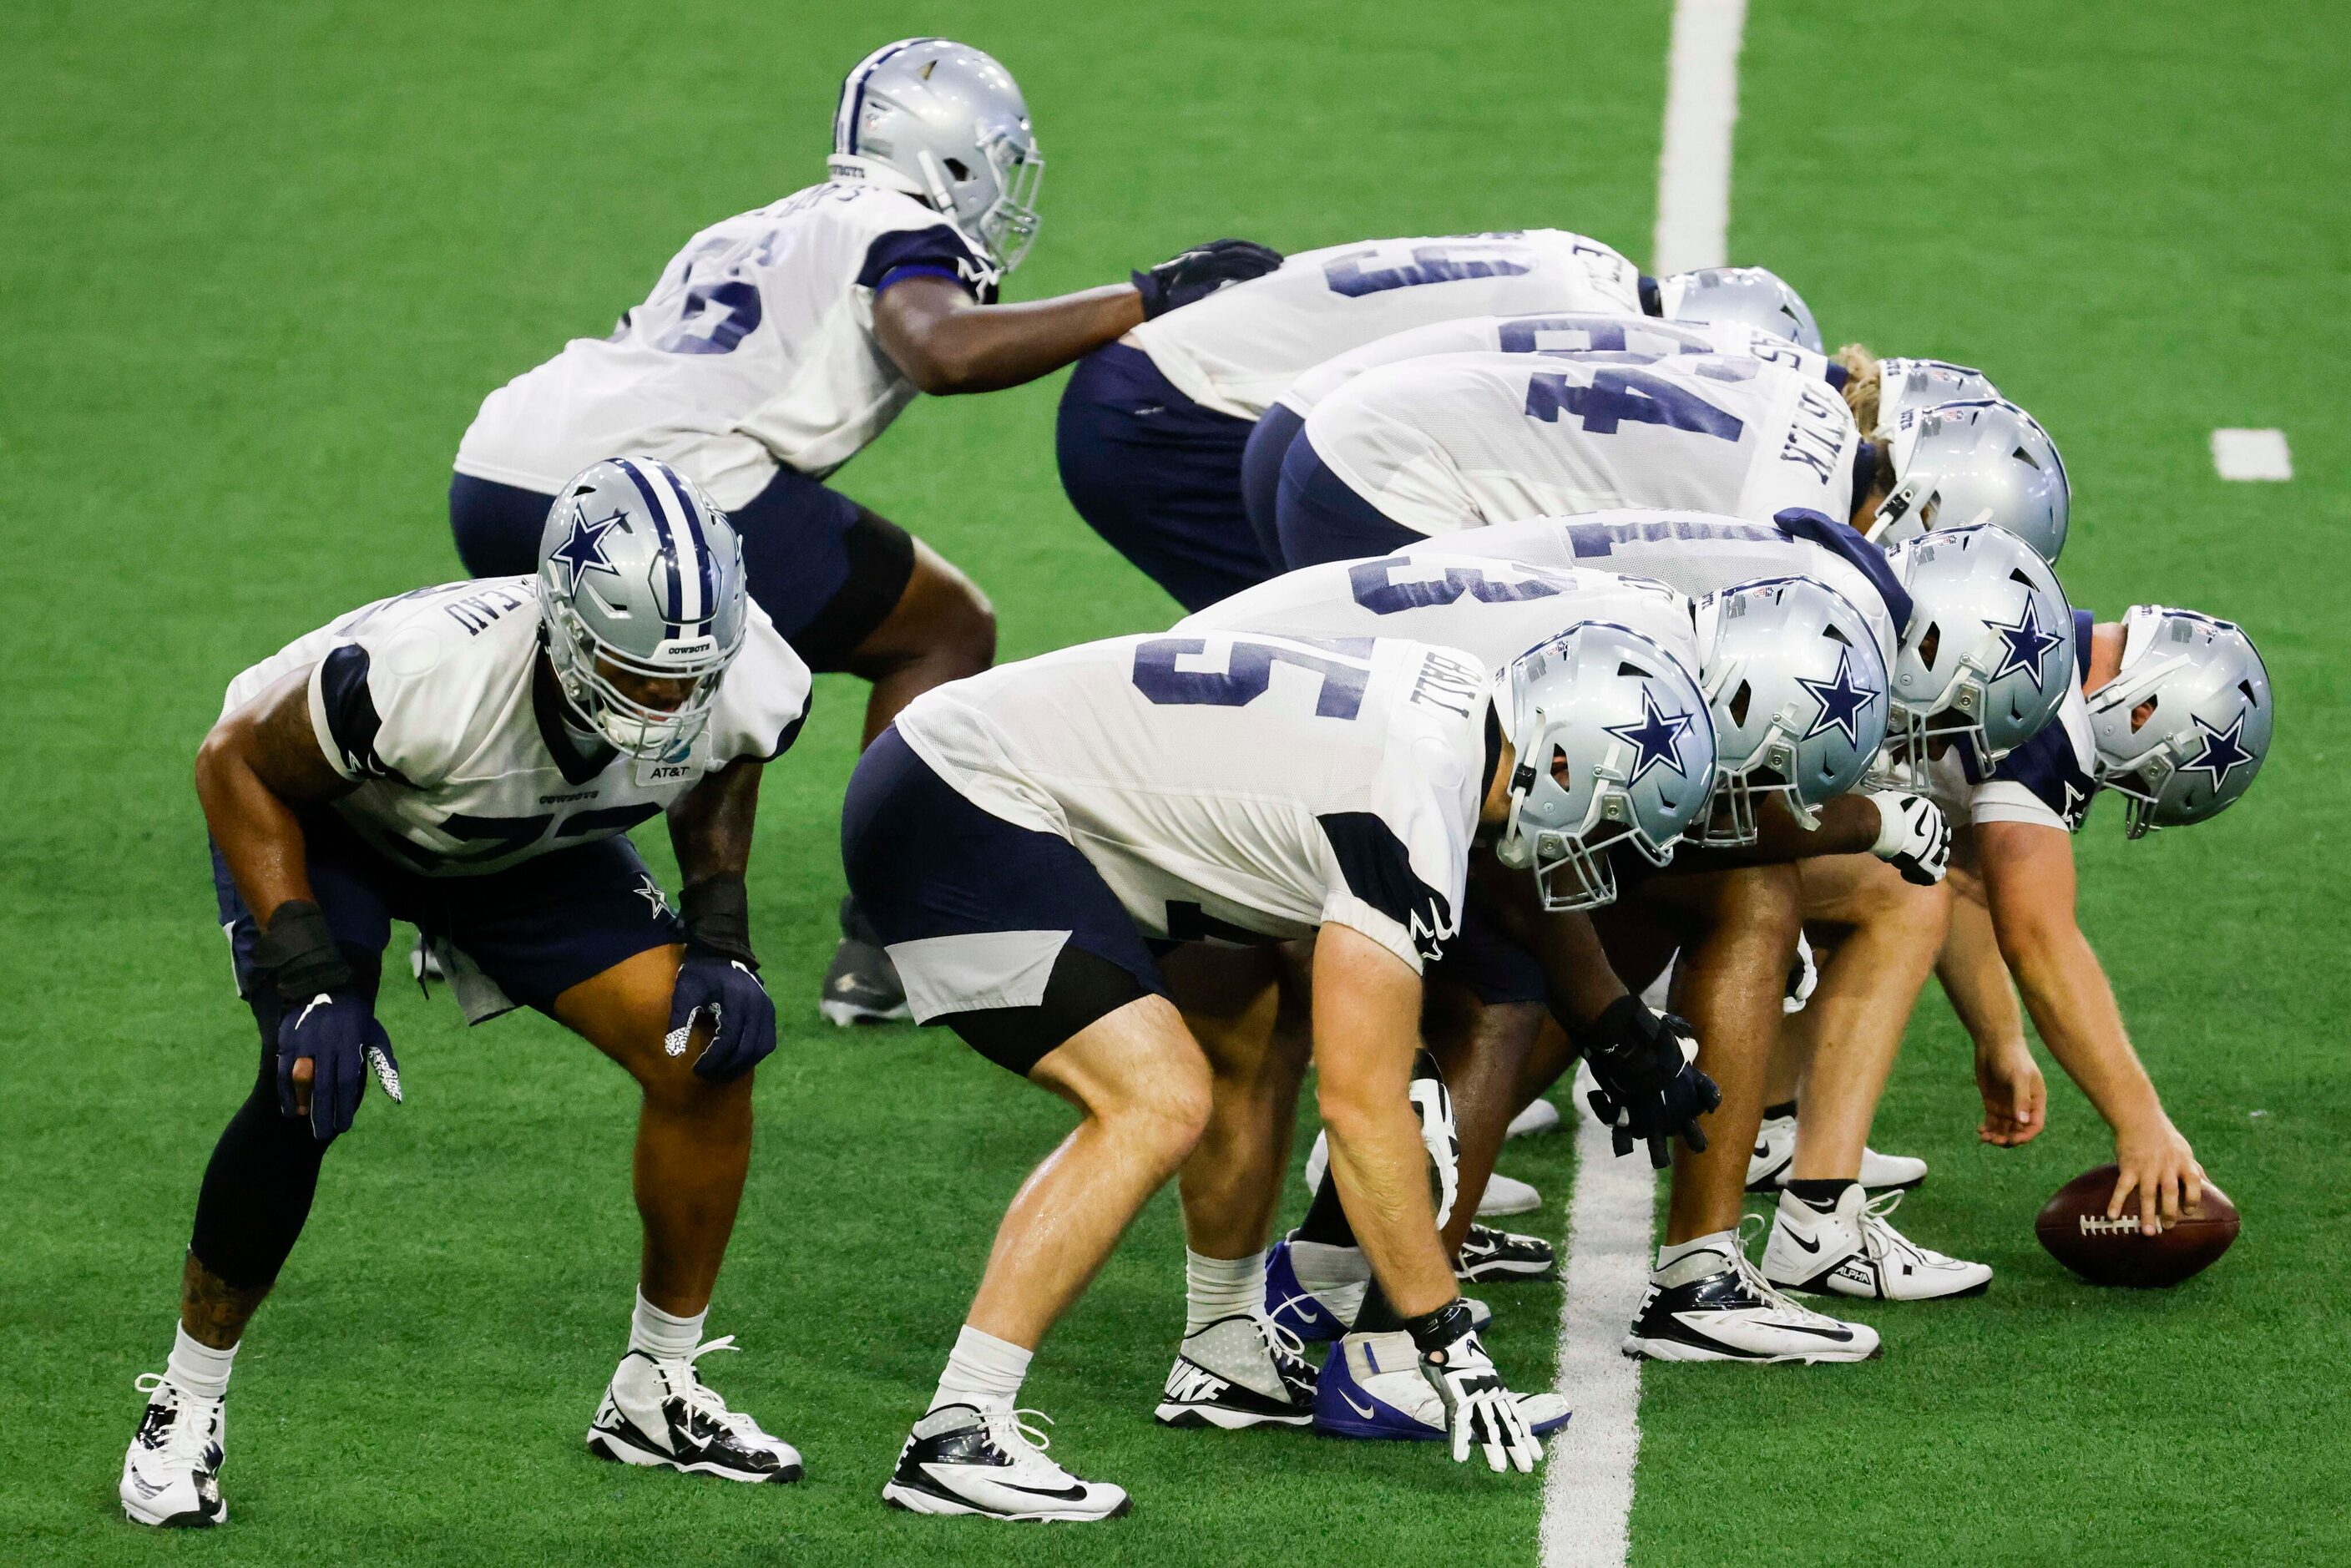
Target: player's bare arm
[(255, 767), (1366, 1034), (2015, 1095), (2029, 882), (946, 341)]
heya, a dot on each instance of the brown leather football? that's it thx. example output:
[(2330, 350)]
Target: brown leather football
[(2074, 1226)]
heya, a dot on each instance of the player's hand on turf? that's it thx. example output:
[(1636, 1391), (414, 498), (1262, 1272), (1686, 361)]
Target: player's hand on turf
[(741, 1015), (1480, 1410), (2015, 1095), (2159, 1170), (1912, 836), (1650, 1089), (1193, 275), (326, 1048)]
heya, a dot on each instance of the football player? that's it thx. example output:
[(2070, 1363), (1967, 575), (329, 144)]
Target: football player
[(779, 342), (1156, 431), (2170, 709), (1021, 839), (1980, 601), (466, 759)]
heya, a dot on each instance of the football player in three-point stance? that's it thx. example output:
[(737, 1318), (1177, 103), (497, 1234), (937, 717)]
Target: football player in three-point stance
[(466, 759), (781, 342), (2170, 709), (1021, 840)]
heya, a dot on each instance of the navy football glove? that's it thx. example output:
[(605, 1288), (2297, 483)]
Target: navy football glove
[(324, 1020), (1649, 1085), (720, 976), (1194, 275)]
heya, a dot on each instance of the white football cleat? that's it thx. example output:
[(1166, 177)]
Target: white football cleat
[(1714, 1305), (1775, 1151), (171, 1476), (1242, 1370), (660, 1414), (1538, 1119), (1852, 1251), (1505, 1195), (962, 1459)]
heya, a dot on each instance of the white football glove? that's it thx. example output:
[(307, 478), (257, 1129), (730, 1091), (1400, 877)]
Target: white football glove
[(1477, 1408), (1912, 836)]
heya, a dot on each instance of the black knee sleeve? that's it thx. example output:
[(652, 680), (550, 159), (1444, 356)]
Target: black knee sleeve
[(256, 1192)]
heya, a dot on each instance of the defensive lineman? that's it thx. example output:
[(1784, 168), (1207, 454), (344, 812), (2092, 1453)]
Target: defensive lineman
[(1019, 836), (779, 342), (466, 759)]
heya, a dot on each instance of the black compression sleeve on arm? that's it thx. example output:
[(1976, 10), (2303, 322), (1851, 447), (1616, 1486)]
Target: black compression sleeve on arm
[(717, 915)]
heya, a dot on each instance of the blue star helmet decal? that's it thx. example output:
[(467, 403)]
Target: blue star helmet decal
[(1842, 702), (2023, 644), (2223, 752), (582, 549), (1656, 738)]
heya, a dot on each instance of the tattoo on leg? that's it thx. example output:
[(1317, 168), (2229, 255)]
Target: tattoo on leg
[(213, 1311)]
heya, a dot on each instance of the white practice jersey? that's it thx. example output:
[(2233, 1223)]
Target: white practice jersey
[(2051, 779), (1230, 786), (437, 705), (756, 349), (1465, 440), (1699, 553), (1235, 351), (1494, 610), (1567, 332)]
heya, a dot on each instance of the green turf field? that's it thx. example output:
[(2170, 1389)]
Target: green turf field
[(262, 263)]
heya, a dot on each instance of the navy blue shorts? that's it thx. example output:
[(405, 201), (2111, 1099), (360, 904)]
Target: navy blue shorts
[(825, 569), (535, 930), (1006, 934), (1261, 473), (1158, 476), (1482, 958), (1320, 517)]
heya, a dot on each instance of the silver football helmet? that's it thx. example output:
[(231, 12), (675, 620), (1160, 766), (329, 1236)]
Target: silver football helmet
[(1752, 295), (946, 124), (1614, 746), (1961, 465), (2205, 725), (1987, 655), (639, 579), (1920, 383), (1797, 687)]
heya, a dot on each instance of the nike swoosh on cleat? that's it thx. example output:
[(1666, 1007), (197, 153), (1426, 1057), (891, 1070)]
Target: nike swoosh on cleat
[(1365, 1411), (1062, 1494), (1807, 1246)]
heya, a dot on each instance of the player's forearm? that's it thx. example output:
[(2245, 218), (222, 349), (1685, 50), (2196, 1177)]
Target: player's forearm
[(972, 348), (2074, 1007), (1849, 825), (710, 826), (258, 833), (1975, 977)]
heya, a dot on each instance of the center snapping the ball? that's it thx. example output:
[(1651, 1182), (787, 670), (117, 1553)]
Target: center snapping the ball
[(2074, 1226)]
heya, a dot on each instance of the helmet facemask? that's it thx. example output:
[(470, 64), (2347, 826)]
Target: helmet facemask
[(632, 727)]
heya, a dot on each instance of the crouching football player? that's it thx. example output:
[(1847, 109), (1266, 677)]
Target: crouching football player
[(466, 759), (1021, 838)]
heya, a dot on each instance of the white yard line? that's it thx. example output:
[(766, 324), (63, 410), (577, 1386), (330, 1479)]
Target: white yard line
[(1701, 106), (2251, 454), (1588, 1477)]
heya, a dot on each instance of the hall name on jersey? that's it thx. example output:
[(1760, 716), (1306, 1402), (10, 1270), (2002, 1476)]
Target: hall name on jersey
[(1446, 683), (476, 612), (1817, 434)]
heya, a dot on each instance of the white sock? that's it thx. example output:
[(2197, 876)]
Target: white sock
[(1723, 1242), (982, 1371), (1217, 1287), (660, 1335), (199, 1369)]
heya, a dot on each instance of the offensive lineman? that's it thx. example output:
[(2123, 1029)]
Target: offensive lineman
[(1153, 429), (466, 759), (2170, 709), (781, 342), (1020, 837)]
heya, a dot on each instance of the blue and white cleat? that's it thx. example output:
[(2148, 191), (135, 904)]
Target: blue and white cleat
[(1372, 1388), (1316, 1319)]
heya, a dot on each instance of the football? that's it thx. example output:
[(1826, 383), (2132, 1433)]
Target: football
[(2074, 1226)]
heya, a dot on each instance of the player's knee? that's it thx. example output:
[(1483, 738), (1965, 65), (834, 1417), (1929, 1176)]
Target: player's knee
[(1918, 914), (964, 627), (1164, 1113)]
